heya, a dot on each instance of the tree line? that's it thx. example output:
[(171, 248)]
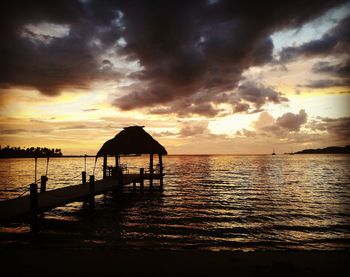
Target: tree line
[(30, 152)]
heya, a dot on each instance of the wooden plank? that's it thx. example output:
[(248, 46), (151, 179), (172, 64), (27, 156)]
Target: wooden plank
[(20, 207)]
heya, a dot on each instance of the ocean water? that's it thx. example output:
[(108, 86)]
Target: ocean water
[(249, 203)]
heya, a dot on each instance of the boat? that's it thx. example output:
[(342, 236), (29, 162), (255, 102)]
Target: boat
[(273, 153)]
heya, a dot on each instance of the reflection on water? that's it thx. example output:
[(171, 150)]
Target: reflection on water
[(209, 202)]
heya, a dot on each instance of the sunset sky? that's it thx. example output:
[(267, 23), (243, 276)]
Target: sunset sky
[(203, 77)]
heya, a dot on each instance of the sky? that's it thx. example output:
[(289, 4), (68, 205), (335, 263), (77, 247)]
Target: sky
[(203, 77)]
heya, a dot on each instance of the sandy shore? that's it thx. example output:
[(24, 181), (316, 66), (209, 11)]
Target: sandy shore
[(102, 262)]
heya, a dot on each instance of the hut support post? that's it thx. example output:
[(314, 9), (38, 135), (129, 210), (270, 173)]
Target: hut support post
[(120, 180), (160, 171), (34, 208), (92, 191), (43, 181), (151, 171), (116, 161), (141, 178), (104, 166), (83, 177)]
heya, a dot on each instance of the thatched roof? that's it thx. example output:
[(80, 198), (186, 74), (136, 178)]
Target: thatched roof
[(132, 140)]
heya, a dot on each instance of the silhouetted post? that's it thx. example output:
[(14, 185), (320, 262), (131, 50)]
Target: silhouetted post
[(160, 171), (116, 161), (151, 171), (43, 181), (120, 179), (134, 185), (104, 166), (83, 177), (141, 178), (92, 191), (34, 208)]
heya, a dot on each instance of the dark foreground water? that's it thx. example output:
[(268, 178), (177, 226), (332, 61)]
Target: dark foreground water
[(299, 202)]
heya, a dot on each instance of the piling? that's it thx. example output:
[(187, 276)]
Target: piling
[(83, 177), (151, 172), (104, 167), (43, 181), (141, 178), (120, 179), (160, 172), (92, 191), (34, 208)]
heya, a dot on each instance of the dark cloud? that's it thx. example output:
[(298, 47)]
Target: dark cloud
[(257, 95), (292, 122), (337, 127), (48, 63), (340, 69), (186, 49), (248, 97), (327, 83), (339, 72), (190, 129), (281, 127), (191, 47), (335, 41)]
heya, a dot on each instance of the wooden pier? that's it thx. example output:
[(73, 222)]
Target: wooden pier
[(133, 140), (38, 202)]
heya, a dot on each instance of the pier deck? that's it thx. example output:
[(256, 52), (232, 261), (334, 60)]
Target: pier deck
[(21, 206)]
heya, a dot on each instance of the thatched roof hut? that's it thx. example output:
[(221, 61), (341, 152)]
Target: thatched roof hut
[(132, 140)]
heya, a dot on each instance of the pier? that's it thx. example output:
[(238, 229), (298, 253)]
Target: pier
[(131, 141), (39, 202)]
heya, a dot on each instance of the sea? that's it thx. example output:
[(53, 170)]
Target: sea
[(209, 202)]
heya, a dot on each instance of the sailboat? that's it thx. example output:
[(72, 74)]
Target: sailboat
[(273, 153)]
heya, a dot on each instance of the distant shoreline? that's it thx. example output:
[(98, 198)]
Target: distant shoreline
[(327, 150), (306, 151), (43, 157)]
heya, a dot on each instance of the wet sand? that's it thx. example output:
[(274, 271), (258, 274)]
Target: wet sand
[(107, 262)]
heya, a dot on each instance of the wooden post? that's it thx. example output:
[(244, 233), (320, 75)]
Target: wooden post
[(160, 171), (151, 171), (34, 208), (83, 177), (43, 181), (120, 179), (92, 191), (141, 178), (116, 161), (104, 166)]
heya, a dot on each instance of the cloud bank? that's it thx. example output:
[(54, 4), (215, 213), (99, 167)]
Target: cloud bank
[(184, 57)]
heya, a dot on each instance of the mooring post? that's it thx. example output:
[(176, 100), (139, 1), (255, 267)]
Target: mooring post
[(141, 178), (151, 171), (43, 181), (34, 208), (92, 191), (104, 167), (120, 179), (160, 172), (83, 177)]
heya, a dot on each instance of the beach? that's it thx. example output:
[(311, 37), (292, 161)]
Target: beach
[(106, 262)]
